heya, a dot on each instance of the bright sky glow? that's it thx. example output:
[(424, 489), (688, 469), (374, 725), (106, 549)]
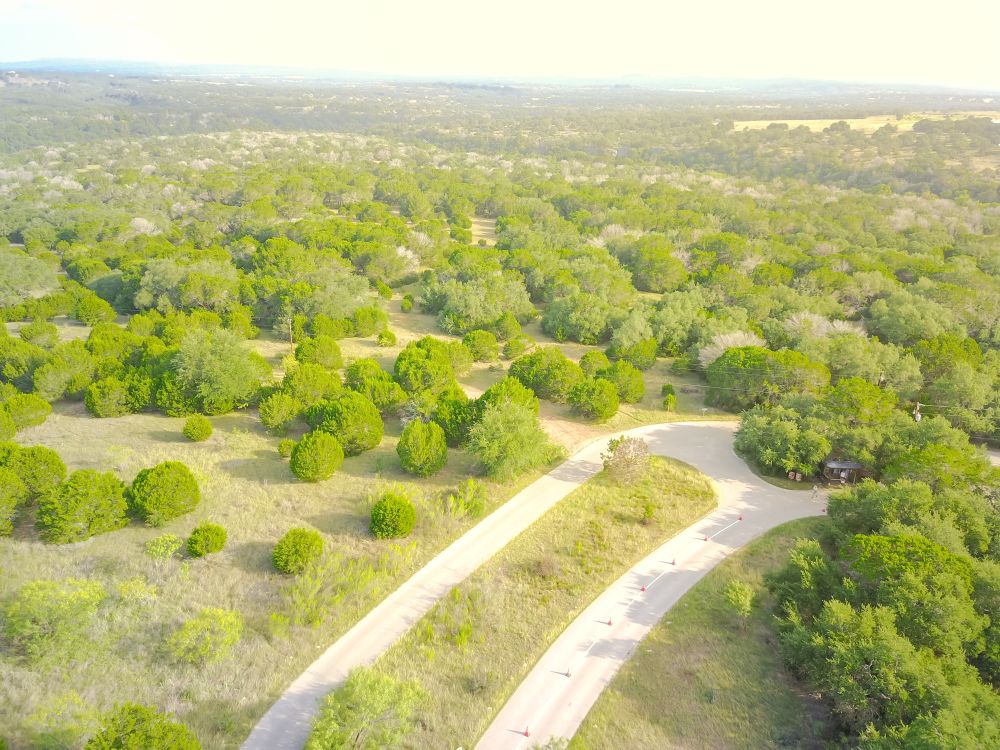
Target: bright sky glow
[(906, 41)]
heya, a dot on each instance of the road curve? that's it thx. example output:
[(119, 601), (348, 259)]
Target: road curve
[(556, 695), (705, 445)]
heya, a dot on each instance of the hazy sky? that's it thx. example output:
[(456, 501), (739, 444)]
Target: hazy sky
[(915, 41)]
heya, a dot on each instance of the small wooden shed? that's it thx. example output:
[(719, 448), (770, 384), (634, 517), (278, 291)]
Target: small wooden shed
[(841, 471)]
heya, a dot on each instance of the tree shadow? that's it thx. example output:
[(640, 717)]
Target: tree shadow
[(614, 648), (253, 557), (167, 436), (341, 522), (576, 471), (262, 469)]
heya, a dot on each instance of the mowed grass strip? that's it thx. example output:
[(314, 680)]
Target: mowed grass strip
[(704, 679), (473, 649)]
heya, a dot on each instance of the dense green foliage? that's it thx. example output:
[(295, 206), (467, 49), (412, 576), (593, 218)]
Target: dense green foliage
[(422, 448), (840, 288), (393, 516), (368, 378), (197, 428), (206, 539), (131, 726), (49, 618), (163, 492), (548, 372), (89, 502), (13, 493), (509, 441), (316, 456), (296, 549), (483, 345), (596, 398), (208, 636), (892, 617), (370, 711), (352, 418)]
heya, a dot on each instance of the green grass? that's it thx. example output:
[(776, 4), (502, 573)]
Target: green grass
[(473, 649), (703, 680)]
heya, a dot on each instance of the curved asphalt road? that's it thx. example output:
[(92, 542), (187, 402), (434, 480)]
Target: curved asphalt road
[(556, 695), (705, 445)]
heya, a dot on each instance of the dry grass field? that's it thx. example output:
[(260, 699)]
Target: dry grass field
[(867, 124)]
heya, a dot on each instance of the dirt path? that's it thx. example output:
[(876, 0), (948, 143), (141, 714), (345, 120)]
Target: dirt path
[(706, 445), (556, 695)]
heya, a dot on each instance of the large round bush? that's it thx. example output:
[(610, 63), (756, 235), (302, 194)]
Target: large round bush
[(163, 492), (627, 379), (422, 448), (483, 345), (352, 418), (316, 457), (321, 350), (88, 503), (594, 398), (40, 468), (197, 428), (393, 516), (131, 727), (206, 539), (296, 549)]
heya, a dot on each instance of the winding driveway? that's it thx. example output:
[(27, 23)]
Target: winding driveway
[(554, 698), (705, 445)]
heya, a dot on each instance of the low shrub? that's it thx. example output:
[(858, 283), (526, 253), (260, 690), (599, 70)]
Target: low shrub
[(50, 618), (393, 516), (627, 378), (206, 539), (296, 549), (385, 338), (164, 546), (285, 447), (197, 428), (279, 410), (131, 727), (208, 636)]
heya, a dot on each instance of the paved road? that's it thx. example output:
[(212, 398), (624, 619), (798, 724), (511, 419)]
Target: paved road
[(286, 724), (554, 698), (706, 445)]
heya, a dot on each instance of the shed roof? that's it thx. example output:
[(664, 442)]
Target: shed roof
[(842, 464)]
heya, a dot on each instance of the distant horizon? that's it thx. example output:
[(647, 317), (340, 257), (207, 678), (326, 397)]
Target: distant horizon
[(149, 67), (891, 42)]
